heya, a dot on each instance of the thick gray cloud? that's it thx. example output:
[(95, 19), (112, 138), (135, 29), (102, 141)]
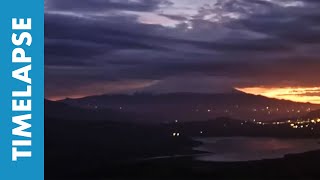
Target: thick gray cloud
[(110, 46)]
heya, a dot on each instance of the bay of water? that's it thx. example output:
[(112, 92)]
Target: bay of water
[(233, 149)]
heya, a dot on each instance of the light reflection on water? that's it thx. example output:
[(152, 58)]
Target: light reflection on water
[(231, 149)]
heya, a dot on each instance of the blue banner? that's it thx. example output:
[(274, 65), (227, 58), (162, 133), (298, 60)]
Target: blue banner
[(22, 90)]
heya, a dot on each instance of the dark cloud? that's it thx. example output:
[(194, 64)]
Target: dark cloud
[(290, 24)]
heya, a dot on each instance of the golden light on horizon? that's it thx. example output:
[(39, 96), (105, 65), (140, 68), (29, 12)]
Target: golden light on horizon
[(310, 94)]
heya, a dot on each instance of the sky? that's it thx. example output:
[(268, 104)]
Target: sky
[(266, 47)]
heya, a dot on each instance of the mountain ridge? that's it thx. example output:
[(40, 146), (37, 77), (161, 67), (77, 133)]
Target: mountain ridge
[(196, 106)]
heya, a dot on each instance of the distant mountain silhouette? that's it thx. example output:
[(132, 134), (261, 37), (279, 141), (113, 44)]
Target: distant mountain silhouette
[(196, 106)]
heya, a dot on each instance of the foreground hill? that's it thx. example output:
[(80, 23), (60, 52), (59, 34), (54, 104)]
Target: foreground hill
[(81, 141), (194, 106)]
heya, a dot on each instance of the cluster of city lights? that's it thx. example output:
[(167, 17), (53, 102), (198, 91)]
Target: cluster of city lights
[(267, 109), (297, 124), (304, 124), (300, 123)]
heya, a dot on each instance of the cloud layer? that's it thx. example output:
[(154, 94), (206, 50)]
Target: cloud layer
[(113, 46)]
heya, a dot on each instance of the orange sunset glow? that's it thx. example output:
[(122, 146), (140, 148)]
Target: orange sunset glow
[(310, 94)]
